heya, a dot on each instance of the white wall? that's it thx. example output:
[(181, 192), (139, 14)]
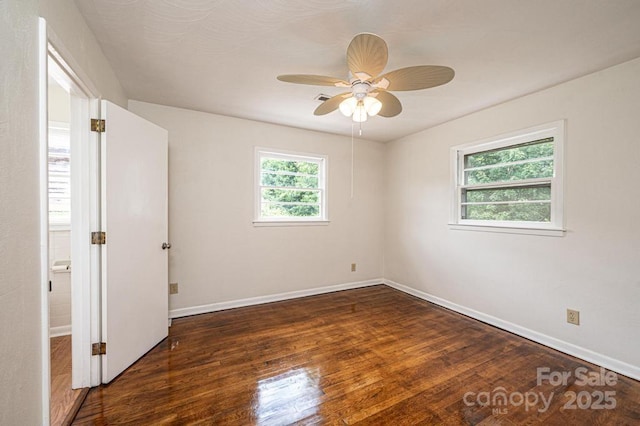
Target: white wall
[(525, 280), (59, 108), (20, 322), (60, 295), (217, 254)]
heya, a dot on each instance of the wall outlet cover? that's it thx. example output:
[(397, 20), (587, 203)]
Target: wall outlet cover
[(573, 316)]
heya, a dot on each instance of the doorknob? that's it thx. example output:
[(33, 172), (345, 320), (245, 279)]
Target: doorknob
[(166, 246)]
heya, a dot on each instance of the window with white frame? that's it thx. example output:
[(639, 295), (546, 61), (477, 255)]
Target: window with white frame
[(512, 181), (59, 175), (290, 187)]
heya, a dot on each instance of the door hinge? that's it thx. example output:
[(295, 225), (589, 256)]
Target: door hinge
[(98, 348), (97, 125), (98, 238)]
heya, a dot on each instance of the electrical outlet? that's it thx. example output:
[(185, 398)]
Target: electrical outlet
[(353, 267), (573, 317), (173, 288)]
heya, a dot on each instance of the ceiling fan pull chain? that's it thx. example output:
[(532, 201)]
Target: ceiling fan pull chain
[(352, 126)]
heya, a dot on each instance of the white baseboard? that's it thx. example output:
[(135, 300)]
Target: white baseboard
[(63, 330), (213, 307), (599, 359)]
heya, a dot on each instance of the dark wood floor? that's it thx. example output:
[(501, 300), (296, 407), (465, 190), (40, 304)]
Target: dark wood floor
[(373, 355), (65, 401)]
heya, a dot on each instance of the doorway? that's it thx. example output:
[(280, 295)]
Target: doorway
[(64, 399), (70, 175)]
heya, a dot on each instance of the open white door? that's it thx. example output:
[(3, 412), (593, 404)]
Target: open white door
[(135, 221)]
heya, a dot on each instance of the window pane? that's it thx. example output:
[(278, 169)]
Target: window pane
[(531, 193), (59, 209), (536, 149), (295, 181), (58, 164), (303, 167), (290, 196), (59, 169), (512, 172), (59, 186), (529, 212), (288, 210)]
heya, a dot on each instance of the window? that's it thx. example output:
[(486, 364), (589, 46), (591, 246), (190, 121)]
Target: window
[(59, 175), (290, 187), (511, 182)]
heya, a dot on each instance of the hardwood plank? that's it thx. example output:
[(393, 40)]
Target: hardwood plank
[(65, 402), (367, 356)]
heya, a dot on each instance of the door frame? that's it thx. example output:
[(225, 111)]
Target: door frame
[(85, 214), (85, 217), (43, 169)]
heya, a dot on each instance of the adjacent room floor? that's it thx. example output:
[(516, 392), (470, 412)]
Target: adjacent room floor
[(373, 355), (65, 401)]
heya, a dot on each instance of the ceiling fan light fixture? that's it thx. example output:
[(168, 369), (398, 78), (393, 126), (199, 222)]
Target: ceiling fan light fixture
[(372, 105), (360, 109), (360, 113), (348, 106)]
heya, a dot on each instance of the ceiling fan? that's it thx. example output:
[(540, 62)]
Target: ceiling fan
[(369, 92)]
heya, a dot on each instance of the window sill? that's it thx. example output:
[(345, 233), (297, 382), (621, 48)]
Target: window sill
[(550, 232), (261, 223)]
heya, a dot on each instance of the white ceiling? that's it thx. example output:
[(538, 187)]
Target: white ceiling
[(223, 56)]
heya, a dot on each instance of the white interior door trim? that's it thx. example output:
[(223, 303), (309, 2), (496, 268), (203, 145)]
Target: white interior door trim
[(83, 166), (43, 167), (60, 54)]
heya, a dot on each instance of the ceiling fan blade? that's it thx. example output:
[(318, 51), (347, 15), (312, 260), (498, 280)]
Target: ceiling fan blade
[(314, 80), (415, 78), (391, 105), (367, 53), (331, 104)]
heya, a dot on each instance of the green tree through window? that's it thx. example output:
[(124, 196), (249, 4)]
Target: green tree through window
[(291, 186), (530, 202)]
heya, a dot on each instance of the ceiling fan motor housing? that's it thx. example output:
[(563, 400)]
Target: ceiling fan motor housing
[(360, 89)]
